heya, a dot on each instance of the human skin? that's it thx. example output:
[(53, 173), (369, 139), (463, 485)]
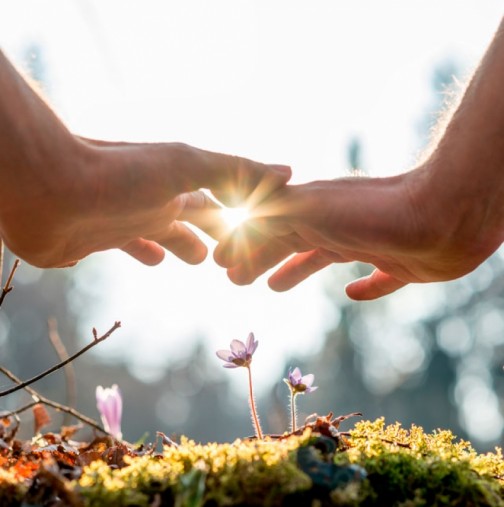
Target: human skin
[(63, 197), (436, 222)]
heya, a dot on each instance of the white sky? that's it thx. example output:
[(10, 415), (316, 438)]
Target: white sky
[(278, 81)]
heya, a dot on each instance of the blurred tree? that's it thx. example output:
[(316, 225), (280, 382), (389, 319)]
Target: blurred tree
[(34, 63), (355, 155)]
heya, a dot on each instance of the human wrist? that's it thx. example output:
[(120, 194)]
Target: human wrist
[(465, 215)]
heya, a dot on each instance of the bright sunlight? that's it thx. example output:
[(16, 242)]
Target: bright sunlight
[(234, 216)]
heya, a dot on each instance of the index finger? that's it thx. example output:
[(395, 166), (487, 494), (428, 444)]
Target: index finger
[(232, 179)]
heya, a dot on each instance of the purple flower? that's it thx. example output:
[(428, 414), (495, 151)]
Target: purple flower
[(299, 383), (240, 353), (109, 403)]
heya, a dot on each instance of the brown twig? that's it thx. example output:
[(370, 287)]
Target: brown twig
[(23, 384), (61, 351), (8, 284), (19, 410), (38, 398), (2, 251)]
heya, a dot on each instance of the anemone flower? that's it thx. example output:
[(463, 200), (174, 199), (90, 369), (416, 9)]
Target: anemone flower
[(298, 384), (109, 403), (241, 355)]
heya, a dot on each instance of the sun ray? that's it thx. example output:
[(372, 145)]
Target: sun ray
[(233, 217)]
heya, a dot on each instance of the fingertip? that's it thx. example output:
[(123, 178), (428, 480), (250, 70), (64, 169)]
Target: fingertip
[(284, 171), (278, 284), (353, 291), (197, 255), (239, 277), (373, 286), (145, 251), (220, 257)]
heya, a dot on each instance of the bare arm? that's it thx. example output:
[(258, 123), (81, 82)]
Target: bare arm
[(436, 222), (63, 197)]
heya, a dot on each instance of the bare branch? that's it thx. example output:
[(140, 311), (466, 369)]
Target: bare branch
[(19, 410), (59, 347), (38, 398), (2, 251), (8, 284), (23, 384)]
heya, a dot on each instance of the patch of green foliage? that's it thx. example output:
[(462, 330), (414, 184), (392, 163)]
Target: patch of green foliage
[(404, 468), (410, 468), (377, 465), (247, 472)]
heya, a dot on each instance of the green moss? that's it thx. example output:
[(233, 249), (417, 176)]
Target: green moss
[(412, 468), (378, 465), (244, 472)]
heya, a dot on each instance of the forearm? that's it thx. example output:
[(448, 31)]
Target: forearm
[(40, 163), (32, 138), (465, 173)]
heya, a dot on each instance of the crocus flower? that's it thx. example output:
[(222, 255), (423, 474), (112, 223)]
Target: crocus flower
[(109, 403), (300, 384), (240, 353)]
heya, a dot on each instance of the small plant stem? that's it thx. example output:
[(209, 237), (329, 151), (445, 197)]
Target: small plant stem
[(2, 251), (293, 411), (253, 409), (56, 367), (60, 349), (8, 284), (19, 410)]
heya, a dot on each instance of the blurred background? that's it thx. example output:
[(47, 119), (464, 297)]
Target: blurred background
[(327, 87)]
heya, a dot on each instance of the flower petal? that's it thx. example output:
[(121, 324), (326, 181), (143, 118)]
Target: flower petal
[(109, 403), (295, 375), (230, 365), (307, 380), (225, 355), (252, 344), (238, 348)]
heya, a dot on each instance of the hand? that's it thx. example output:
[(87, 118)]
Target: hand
[(396, 224), (63, 197), (129, 196), (437, 222)]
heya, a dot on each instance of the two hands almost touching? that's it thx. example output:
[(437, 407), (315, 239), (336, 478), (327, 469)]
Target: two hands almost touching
[(63, 197)]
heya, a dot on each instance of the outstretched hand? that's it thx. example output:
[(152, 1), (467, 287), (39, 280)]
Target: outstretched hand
[(437, 222), (63, 197), (134, 197), (391, 223)]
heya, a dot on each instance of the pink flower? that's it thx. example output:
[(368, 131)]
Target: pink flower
[(109, 403), (240, 353), (299, 383)]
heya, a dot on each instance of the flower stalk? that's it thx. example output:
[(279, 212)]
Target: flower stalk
[(240, 355), (298, 384), (253, 408)]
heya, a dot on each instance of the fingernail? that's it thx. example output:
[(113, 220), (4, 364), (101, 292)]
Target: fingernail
[(285, 170)]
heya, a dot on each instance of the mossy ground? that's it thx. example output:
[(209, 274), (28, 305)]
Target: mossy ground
[(387, 465)]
